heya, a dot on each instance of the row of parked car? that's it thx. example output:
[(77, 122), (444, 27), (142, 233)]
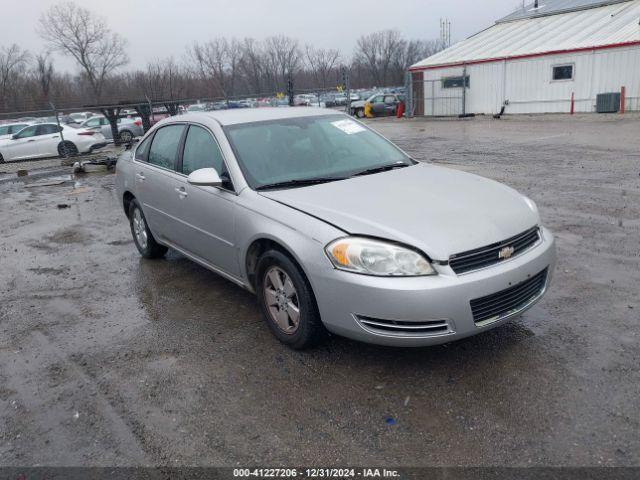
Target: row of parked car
[(384, 101), (84, 132), (65, 135)]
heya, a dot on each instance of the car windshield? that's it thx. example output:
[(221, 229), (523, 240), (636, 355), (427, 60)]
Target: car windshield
[(310, 148)]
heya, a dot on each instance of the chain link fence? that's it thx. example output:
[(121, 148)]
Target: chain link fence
[(122, 122), (431, 98)]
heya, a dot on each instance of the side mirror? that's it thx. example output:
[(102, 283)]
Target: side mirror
[(14, 136), (205, 177)]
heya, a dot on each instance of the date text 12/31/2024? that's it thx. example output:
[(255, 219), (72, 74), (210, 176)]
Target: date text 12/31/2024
[(314, 473)]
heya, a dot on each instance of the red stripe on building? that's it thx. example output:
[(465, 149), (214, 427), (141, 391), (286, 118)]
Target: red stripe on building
[(528, 55)]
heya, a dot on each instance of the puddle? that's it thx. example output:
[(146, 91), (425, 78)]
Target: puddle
[(49, 182)]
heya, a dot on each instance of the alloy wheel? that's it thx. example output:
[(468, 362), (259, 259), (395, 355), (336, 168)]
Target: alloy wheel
[(140, 228), (281, 298), (126, 136)]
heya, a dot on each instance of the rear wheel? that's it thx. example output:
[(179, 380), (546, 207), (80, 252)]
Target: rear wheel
[(125, 136), (67, 149), (1, 158), (142, 236), (287, 301)]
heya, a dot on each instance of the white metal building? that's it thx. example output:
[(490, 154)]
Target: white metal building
[(535, 60)]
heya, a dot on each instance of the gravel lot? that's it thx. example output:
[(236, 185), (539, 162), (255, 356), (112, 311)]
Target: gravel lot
[(109, 359)]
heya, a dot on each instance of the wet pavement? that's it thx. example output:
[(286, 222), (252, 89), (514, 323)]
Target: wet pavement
[(110, 359)]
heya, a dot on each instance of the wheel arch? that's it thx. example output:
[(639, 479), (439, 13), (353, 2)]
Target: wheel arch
[(127, 198), (259, 246)]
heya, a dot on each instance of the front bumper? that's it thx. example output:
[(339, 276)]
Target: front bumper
[(442, 301)]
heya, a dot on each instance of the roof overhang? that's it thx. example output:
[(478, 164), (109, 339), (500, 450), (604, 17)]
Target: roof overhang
[(524, 56)]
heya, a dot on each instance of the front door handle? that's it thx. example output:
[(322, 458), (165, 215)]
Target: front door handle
[(140, 177), (181, 192), (56, 136), (32, 140)]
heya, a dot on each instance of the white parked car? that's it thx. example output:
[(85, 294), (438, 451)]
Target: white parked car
[(49, 140), (80, 117), (9, 129)]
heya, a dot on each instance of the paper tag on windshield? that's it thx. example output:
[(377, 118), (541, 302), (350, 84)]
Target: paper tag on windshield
[(348, 126)]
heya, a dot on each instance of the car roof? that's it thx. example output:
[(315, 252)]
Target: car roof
[(249, 115)]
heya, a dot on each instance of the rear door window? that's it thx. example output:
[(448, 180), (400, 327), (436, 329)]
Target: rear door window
[(94, 122), (48, 129), (164, 148)]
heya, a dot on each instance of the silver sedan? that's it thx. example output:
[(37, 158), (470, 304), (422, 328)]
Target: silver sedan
[(128, 128), (334, 228)]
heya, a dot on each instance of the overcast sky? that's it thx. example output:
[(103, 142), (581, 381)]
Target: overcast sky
[(161, 28)]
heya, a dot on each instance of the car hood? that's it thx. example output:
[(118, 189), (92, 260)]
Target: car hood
[(438, 210)]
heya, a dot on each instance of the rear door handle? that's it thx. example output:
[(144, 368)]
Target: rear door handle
[(140, 177), (55, 136), (181, 192)]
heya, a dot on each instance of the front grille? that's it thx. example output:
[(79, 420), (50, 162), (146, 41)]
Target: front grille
[(508, 302), (490, 255), (422, 329)]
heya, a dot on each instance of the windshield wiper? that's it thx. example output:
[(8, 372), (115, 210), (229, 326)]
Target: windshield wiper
[(299, 183), (384, 168)]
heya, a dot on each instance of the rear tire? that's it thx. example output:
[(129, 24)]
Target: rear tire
[(125, 136), (142, 236), (67, 149), (287, 302), (1, 158)]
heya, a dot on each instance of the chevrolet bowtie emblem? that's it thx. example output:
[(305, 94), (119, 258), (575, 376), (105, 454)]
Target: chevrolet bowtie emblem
[(506, 252)]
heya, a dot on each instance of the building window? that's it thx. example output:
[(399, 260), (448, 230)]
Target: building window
[(456, 82), (563, 72)]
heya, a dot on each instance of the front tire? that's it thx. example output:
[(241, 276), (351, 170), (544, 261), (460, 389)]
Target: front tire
[(142, 236), (1, 158), (360, 113), (287, 302)]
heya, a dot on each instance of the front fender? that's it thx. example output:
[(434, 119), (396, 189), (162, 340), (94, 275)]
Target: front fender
[(302, 235)]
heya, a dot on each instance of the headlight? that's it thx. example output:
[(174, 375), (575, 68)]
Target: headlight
[(375, 257)]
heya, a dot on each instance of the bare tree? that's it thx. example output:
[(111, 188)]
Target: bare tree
[(210, 60), (252, 64), (220, 67), (162, 79), (282, 58), (376, 52), (234, 57), (13, 64), (321, 62), (78, 33), (43, 74), (413, 51)]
